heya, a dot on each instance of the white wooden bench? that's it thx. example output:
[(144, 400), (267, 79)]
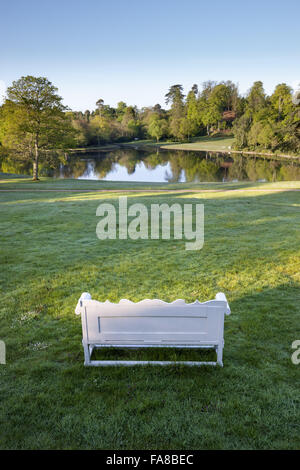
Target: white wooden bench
[(152, 323)]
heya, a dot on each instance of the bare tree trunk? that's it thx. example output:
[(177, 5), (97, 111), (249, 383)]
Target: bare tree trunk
[(35, 175)]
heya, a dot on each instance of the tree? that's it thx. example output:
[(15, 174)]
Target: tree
[(241, 128), (100, 104), (175, 97), (195, 89), (100, 128), (157, 127), (281, 101), (186, 128), (121, 108), (291, 130), (217, 99), (205, 114), (158, 109), (87, 115), (256, 99), (82, 128), (34, 119), (192, 112)]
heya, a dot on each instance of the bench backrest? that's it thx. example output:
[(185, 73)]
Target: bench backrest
[(153, 321)]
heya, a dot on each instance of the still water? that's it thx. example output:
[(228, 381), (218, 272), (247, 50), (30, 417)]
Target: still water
[(128, 164)]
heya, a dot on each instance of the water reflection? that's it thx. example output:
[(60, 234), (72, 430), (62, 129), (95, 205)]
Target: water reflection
[(163, 166)]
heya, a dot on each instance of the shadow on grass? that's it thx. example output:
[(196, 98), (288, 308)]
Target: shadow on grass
[(258, 334)]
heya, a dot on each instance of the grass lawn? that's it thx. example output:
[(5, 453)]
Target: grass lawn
[(50, 254), (213, 144), (205, 143)]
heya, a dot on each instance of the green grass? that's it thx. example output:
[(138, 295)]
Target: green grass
[(205, 143), (19, 182), (213, 144), (50, 255)]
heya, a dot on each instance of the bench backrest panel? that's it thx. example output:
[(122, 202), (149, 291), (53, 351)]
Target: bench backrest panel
[(153, 321)]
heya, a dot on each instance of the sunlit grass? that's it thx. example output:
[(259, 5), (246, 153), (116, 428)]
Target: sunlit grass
[(221, 144), (11, 182)]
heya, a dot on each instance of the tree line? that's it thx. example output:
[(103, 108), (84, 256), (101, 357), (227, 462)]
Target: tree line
[(34, 123), (257, 121)]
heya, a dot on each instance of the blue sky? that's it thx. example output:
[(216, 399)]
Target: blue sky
[(134, 50)]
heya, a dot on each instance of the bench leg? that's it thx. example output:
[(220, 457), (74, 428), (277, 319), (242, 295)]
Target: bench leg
[(88, 350), (220, 354), (87, 354)]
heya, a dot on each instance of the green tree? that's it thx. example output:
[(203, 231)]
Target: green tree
[(241, 128), (100, 104), (100, 129), (175, 96), (192, 112), (256, 99), (33, 119), (157, 127), (120, 111), (291, 130), (204, 106), (87, 115), (281, 101), (82, 128)]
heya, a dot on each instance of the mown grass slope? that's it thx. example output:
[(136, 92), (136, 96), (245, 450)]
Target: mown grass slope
[(50, 254)]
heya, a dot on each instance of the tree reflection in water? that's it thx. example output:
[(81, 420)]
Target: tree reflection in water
[(169, 166)]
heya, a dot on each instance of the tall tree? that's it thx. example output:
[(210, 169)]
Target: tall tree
[(256, 99), (100, 104), (204, 106), (34, 119), (192, 112), (175, 96), (157, 126), (121, 108), (281, 101)]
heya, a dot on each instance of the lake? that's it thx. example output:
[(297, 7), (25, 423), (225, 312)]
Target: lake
[(130, 164)]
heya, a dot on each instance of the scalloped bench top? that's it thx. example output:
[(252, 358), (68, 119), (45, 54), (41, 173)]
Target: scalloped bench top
[(220, 297)]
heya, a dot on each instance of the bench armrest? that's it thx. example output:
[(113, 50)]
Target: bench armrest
[(84, 296), (222, 296)]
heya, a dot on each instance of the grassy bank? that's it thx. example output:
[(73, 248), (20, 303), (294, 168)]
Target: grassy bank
[(50, 254), (17, 182), (213, 144), (222, 144)]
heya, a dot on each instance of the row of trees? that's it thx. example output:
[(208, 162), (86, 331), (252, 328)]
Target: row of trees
[(258, 121), (269, 122), (198, 113), (34, 123)]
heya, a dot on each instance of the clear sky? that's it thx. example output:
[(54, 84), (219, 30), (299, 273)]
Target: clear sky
[(134, 50)]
